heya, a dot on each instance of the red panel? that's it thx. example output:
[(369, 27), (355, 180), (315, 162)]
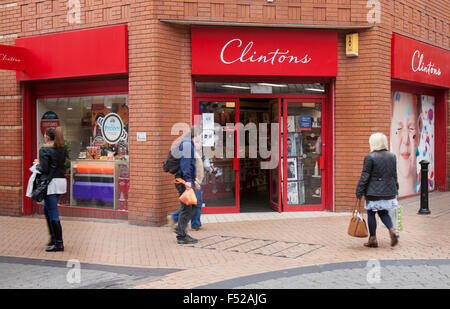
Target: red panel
[(419, 62), (80, 88), (27, 146), (100, 51), (263, 52), (440, 161), (12, 58)]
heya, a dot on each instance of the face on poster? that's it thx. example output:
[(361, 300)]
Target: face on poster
[(292, 168), (292, 193), (412, 138)]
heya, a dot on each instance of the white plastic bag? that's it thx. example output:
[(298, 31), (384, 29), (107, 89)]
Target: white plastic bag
[(397, 218)]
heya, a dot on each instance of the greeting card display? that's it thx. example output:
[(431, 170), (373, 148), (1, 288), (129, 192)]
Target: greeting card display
[(292, 193), (291, 169)]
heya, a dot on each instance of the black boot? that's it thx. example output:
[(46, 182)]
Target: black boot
[(58, 246), (50, 231)]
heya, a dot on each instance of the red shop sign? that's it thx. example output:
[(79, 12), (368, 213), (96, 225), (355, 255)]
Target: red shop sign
[(87, 52), (419, 62), (267, 52), (12, 58)]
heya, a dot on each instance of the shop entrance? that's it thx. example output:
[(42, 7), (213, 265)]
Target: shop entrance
[(242, 184), (254, 188)]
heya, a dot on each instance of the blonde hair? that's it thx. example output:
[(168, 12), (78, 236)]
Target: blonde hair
[(377, 142)]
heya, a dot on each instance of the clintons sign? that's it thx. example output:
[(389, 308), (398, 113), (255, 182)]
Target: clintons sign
[(420, 62), (12, 58), (267, 52)]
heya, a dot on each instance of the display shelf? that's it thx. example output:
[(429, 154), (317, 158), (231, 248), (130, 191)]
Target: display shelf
[(96, 180)]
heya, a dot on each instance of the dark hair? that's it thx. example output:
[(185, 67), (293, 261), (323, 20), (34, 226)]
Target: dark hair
[(55, 135)]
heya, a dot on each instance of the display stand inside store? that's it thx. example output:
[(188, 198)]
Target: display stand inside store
[(96, 182)]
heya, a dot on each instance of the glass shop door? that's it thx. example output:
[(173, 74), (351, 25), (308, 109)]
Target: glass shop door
[(303, 154), (220, 138)]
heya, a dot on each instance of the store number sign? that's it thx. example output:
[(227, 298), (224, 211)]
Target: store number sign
[(112, 128)]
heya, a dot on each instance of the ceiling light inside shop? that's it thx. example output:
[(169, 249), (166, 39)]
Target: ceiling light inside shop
[(234, 86), (315, 89), (272, 85)]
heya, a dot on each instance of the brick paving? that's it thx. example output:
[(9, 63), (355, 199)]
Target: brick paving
[(234, 246)]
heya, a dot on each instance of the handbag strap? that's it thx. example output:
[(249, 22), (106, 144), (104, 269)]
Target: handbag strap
[(357, 206)]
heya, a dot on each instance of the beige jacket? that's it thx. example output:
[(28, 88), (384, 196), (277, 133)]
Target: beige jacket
[(199, 168)]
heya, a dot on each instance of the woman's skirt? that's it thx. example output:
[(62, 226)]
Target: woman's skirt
[(381, 205)]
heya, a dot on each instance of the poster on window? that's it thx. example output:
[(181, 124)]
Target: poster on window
[(426, 144), (412, 139)]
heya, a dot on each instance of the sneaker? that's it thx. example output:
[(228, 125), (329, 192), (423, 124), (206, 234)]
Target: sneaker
[(171, 221), (190, 238), (186, 240), (197, 228)]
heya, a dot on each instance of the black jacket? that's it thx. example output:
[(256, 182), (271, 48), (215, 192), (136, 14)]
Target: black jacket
[(378, 179), (51, 162)]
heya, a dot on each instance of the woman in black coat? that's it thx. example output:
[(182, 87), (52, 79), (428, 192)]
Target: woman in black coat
[(51, 165), (379, 186)]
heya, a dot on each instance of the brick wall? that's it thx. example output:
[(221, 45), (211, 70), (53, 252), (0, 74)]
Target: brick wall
[(160, 95), (160, 84), (362, 102), (10, 136)]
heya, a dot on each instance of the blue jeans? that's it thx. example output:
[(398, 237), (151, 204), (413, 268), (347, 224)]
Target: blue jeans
[(195, 221), (51, 206)]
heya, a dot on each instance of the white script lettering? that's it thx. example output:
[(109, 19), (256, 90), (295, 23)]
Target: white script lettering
[(418, 65), (5, 57), (247, 55)]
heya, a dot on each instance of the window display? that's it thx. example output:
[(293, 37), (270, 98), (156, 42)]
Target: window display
[(412, 139), (303, 142), (218, 189), (96, 141)]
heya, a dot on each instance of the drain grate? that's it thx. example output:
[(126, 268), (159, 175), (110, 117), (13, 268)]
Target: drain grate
[(284, 249)]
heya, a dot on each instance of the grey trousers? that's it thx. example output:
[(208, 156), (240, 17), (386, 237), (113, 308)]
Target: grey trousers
[(186, 214)]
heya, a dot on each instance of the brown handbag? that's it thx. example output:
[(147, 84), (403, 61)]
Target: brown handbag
[(357, 226), (188, 197)]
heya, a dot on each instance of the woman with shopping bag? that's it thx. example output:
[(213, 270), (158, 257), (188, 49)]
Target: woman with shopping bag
[(379, 186), (50, 165)]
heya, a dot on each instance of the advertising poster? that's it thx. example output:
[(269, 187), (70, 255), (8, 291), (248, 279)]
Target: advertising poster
[(426, 143), (412, 139)]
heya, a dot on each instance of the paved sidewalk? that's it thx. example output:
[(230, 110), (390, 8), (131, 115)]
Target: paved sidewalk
[(237, 247)]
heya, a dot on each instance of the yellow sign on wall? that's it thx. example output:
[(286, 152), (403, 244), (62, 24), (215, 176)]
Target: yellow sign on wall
[(352, 45)]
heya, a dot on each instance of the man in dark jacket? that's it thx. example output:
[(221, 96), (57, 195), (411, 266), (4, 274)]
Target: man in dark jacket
[(187, 172)]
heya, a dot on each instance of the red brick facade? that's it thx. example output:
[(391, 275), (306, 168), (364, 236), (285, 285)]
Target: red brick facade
[(159, 78)]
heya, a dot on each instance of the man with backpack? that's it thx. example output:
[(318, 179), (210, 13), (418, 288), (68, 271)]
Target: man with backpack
[(183, 160)]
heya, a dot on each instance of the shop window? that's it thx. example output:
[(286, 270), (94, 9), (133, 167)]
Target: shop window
[(412, 139), (96, 139), (304, 140), (258, 88)]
